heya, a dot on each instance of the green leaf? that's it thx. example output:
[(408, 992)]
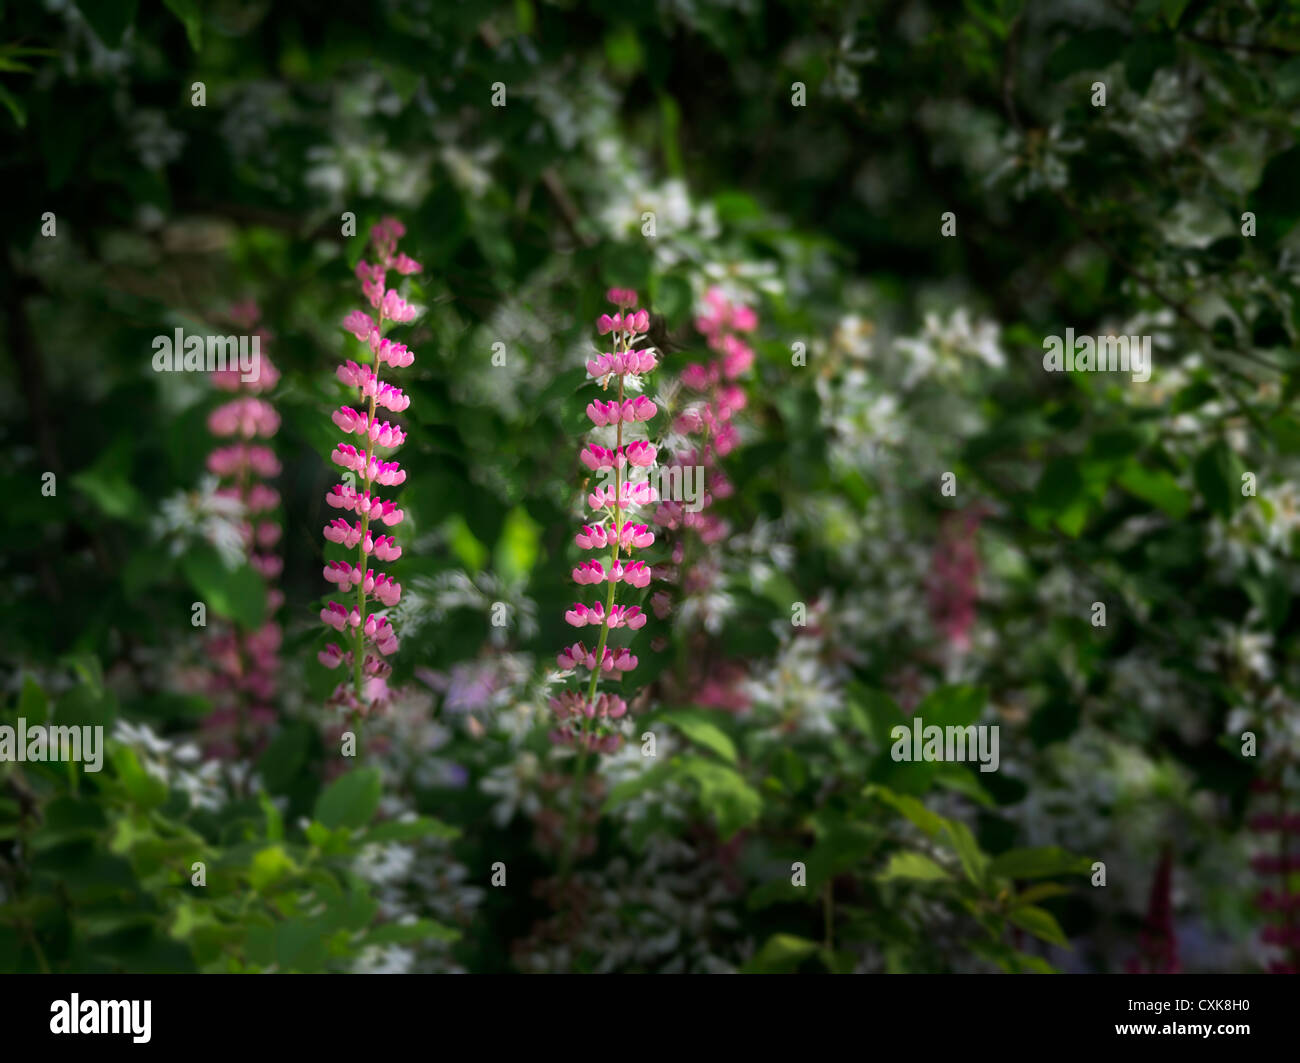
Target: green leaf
[(1040, 892), (269, 866), (1144, 56), (1173, 10), (1217, 479), (108, 18), (733, 803), (274, 821), (411, 933), (14, 106), (1286, 80), (973, 860), (1059, 485), (699, 728), (517, 549), (329, 842), (404, 80), (623, 51), (69, 819), (963, 780), (142, 788), (299, 945), (781, 954), (931, 823), (841, 846), (410, 830), (238, 594), (646, 780), (192, 19), (1033, 964), (1038, 863), (350, 801), (472, 553), (1157, 487), (1276, 201), (107, 484), (82, 707), (958, 705), (285, 755), (33, 704), (879, 714), (1271, 596), (1089, 50), (1041, 923), (915, 866), (1285, 432), (87, 666)]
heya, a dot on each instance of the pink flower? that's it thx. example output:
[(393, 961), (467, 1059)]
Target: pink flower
[(582, 716), (737, 357), (244, 664), (627, 325), (236, 460), (709, 417), (627, 616), (640, 454), (954, 577), (395, 308), (581, 615), (639, 409), (360, 324), (636, 361), (603, 413), (393, 354), (265, 375), (1157, 942), (245, 417), (365, 629), (261, 498), (636, 494), (589, 572)]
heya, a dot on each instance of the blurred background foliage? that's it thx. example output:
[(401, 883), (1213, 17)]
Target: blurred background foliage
[(921, 355)]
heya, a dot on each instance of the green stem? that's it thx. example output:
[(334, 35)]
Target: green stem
[(358, 655)]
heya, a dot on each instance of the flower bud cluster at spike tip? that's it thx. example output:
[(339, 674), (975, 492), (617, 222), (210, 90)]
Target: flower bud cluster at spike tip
[(584, 717), (369, 636), (245, 665)]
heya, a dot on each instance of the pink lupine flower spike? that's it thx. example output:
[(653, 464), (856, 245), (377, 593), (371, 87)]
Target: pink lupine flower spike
[(361, 626), (582, 720)]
